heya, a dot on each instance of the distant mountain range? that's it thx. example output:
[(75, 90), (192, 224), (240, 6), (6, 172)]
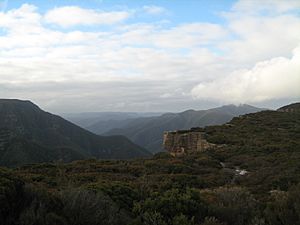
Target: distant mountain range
[(31, 135), (148, 131), (104, 121)]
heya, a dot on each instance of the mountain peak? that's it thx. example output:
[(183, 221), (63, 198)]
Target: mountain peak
[(17, 102), (14, 101)]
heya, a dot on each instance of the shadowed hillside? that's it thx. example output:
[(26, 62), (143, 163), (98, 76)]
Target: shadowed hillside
[(30, 135)]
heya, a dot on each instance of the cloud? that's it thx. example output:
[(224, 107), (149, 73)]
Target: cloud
[(21, 19), (270, 6), (186, 36), (277, 78), (69, 16), (263, 36), (150, 65), (154, 10), (189, 35)]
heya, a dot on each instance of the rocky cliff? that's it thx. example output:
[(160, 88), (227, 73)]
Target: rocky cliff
[(185, 141)]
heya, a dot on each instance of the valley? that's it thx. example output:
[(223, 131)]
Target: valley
[(147, 130)]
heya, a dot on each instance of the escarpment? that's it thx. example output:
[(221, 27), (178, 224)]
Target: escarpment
[(185, 141)]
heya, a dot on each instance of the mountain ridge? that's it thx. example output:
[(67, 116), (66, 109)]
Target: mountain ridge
[(148, 132), (27, 131), (293, 107)]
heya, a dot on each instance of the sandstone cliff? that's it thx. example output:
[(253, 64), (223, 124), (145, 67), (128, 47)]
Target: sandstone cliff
[(185, 141)]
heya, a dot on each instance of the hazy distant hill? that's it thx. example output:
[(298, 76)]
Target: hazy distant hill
[(100, 122), (29, 135), (148, 132)]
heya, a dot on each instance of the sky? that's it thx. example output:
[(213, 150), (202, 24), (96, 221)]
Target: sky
[(145, 56)]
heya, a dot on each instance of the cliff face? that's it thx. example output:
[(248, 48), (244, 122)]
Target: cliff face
[(185, 141)]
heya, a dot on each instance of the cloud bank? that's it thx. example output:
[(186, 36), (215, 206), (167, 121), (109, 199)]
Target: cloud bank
[(275, 78), (102, 61)]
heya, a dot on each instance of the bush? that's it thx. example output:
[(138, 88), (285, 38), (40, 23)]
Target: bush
[(174, 204), (82, 207), (11, 195), (284, 207), (40, 208), (235, 205), (211, 221)]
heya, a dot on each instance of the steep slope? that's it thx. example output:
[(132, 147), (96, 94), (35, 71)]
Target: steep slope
[(30, 135), (266, 144), (148, 132), (295, 107)]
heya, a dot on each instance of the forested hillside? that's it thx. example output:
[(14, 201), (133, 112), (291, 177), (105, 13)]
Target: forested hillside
[(31, 135)]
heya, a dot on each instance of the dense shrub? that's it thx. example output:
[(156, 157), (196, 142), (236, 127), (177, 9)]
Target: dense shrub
[(284, 209), (174, 204), (235, 205), (82, 207), (11, 195)]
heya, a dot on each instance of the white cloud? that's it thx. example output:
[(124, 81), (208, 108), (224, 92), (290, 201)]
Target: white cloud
[(69, 16), (24, 19), (277, 78), (154, 10), (261, 37), (180, 36), (189, 35), (271, 6)]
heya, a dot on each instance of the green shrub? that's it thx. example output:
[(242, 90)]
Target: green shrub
[(82, 207)]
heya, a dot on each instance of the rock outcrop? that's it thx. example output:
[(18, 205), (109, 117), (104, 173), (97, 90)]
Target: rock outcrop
[(185, 141)]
